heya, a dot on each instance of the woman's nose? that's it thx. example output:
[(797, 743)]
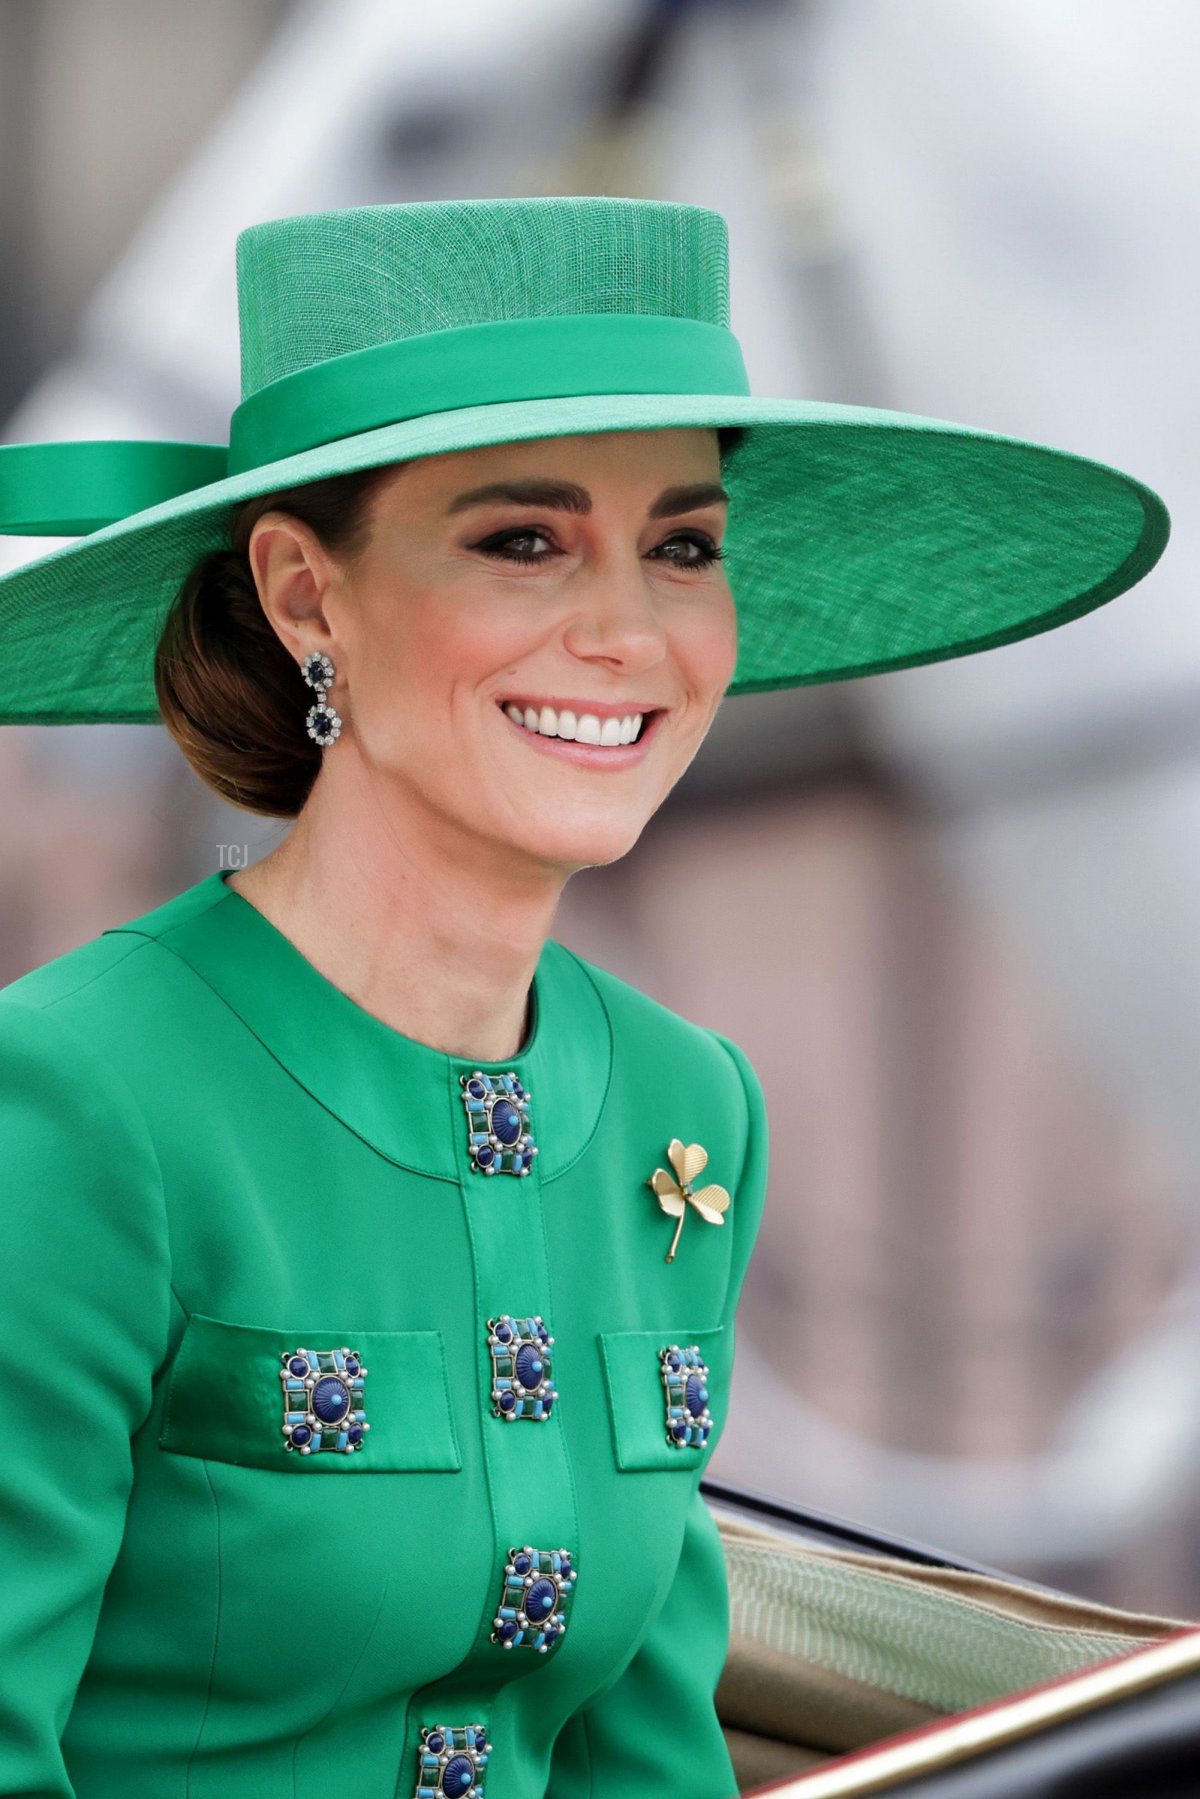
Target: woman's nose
[(614, 616)]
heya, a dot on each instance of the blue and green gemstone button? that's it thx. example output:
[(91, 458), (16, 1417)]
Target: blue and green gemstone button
[(535, 1599), (685, 1393), (522, 1368), (499, 1139), (451, 1760)]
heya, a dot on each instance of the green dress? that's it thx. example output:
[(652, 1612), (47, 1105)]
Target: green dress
[(244, 1220)]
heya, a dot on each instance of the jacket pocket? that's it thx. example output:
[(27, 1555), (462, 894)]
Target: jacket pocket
[(225, 1398), (638, 1397)]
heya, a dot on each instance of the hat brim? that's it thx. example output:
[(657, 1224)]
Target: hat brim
[(858, 541)]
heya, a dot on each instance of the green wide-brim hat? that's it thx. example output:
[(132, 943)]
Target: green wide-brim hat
[(857, 540)]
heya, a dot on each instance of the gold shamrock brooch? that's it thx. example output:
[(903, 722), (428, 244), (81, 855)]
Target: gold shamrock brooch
[(676, 1194)]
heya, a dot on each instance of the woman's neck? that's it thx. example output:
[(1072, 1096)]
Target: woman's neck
[(436, 937)]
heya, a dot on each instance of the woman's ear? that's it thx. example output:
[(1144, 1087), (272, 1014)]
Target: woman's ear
[(292, 570)]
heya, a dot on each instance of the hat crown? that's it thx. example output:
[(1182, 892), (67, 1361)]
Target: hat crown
[(325, 284)]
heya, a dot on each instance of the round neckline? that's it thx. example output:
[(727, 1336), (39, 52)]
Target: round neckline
[(494, 1065), (399, 1095)]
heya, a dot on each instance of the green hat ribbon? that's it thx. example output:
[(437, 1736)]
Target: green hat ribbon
[(544, 358), (68, 489)]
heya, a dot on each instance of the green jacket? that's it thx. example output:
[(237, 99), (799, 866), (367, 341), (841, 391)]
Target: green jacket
[(216, 1164)]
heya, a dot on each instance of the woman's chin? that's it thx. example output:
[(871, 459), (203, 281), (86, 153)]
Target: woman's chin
[(582, 846)]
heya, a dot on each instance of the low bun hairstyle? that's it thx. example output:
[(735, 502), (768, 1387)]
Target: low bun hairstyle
[(229, 692)]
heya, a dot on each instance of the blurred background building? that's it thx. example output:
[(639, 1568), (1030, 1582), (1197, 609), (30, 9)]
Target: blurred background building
[(972, 989)]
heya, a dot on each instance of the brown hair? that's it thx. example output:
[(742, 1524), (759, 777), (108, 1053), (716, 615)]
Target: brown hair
[(229, 692)]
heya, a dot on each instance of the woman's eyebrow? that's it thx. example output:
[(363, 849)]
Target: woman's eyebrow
[(673, 500), (565, 496)]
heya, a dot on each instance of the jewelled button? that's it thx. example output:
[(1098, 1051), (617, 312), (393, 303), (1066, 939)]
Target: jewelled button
[(522, 1375), (323, 1393), (499, 1139), (451, 1760), (535, 1598), (685, 1391)]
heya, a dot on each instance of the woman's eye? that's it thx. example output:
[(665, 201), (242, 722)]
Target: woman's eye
[(505, 545), (499, 546), (707, 551)]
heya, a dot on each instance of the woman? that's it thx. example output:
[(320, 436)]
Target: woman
[(340, 1165)]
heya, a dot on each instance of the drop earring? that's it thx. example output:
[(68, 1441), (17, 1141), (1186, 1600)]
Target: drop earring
[(322, 721)]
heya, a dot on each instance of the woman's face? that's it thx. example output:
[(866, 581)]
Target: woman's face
[(536, 638)]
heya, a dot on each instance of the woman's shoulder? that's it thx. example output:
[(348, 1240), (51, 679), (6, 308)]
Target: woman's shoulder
[(663, 1039), (67, 1096), (92, 1000)]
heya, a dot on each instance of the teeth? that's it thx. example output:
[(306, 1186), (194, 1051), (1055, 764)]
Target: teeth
[(584, 727)]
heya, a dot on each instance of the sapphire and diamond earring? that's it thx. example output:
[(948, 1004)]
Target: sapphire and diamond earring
[(498, 1134), (451, 1761), (322, 721), (535, 1598), (522, 1384), (685, 1392), (323, 1400)]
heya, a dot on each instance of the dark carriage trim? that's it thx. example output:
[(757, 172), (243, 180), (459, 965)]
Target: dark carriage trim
[(843, 1533)]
